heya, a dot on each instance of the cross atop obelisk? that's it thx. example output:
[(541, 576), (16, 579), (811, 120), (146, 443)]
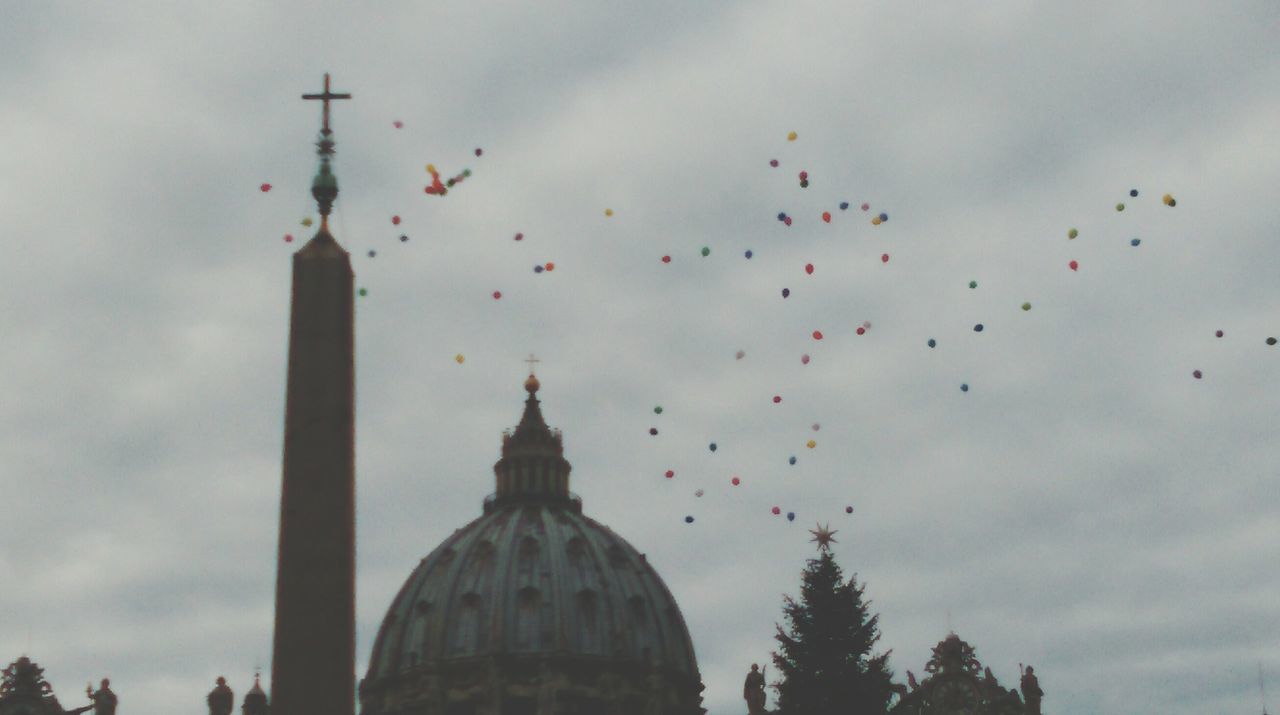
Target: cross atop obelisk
[(325, 186), (532, 361)]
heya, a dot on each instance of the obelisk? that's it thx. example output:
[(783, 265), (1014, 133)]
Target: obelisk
[(313, 655)]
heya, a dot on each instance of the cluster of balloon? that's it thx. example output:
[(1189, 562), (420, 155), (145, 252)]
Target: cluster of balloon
[(784, 218), (548, 266), (804, 179), (1169, 200)]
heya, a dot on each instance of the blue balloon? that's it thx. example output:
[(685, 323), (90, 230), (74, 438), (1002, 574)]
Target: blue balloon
[(747, 254), (791, 461), (977, 328), (791, 516), (538, 269), (782, 215), (1135, 242), (712, 446), (844, 205), (688, 520), (786, 292), (1133, 192), (884, 217), (933, 343), (964, 387)]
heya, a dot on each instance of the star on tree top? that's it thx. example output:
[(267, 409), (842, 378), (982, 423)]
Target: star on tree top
[(824, 536)]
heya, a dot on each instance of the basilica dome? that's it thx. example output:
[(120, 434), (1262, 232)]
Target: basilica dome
[(533, 608)]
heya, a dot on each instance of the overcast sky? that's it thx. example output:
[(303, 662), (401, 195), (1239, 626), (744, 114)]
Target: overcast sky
[(1087, 506)]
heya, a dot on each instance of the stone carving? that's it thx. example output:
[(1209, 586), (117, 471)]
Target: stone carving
[(1031, 691), (753, 691), (221, 700), (104, 701)]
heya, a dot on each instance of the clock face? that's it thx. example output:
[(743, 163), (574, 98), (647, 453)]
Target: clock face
[(955, 696)]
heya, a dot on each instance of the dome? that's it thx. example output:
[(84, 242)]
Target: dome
[(550, 603)]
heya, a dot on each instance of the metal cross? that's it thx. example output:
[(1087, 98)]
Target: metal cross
[(325, 97), (531, 360)]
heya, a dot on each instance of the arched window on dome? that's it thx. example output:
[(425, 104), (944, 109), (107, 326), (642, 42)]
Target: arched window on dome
[(528, 610), (579, 564), (419, 632), (467, 633), (588, 611), (527, 563)]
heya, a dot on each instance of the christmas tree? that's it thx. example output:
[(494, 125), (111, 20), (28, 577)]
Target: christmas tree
[(824, 657)]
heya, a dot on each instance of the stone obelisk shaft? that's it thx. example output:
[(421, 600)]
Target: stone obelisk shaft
[(313, 657)]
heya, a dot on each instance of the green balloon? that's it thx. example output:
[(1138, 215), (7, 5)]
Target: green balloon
[(1026, 306), (706, 251), (657, 410), (364, 291), (1072, 233), (1119, 207), (973, 284)]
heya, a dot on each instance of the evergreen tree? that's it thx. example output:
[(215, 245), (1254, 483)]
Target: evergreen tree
[(825, 658)]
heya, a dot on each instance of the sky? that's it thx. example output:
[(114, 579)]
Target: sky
[(1087, 506)]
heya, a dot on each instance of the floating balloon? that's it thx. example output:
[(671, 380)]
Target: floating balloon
[(459, 358), (519, 236), (773, 163), (653, 431), (786, 292), (884, 258), (398, 124), (497, 294), (688, 520), (735, 481), (1133, 192), (792, 136), (848, 510), (787, 220), (1072, 233), (1073, 266), (808, 268), (826, 216), (817, 335), (791, 516), (670, 474), (804, 359), (699, 493), (844, 205), (288, 238), (657, 410), (776, 511), (933, 343), (1026, 306), (265, 188), (1197, 374), (748, 254), (876, 221), (977, 328), (1135, 242), (479, 151), (666, 259), (811, 444), (883, 216), (395, 220), (804, 175), (537, 269), (608, 212), (973, 284), (740, 354), (1271, 341), (815, 426), (804, 183), (792, 460), (1119, 207), (866, 207), (964, 387), (403, 238), (706, 251), (777, 399), (1218, 333), (550, 266), (782, 215), (712, 446), (1168, 200), (306, 222), (861, 330)]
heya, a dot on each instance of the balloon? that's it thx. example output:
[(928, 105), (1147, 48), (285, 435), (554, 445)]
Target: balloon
[(1135, 242), (1172, 202), (1271, 341), (861, 330), (288, 238), (808, 268), (1133, 192), (776, 511), (844, 205), (712, 446), (792, 460), (653, 431), (666, 259), (537, 269), (817, 335), (877, 221), (364, 291), (748, 253), (777, 399), (1119, 207), (395, 220), (657, 410), (735, 481), (826, 216), (804, 359), (372, 253), (1073, 266), (459, 358), (866, 207), (1026, 306), (933, 343), (403, 238), (1072, 233), (431, 169), (884, 217), (964, 387), (306, 222), (740, 354), (884, 258), (1168, 200), (816, 426), (1197, 374), (782, 215), (497, 294), (699, 493), (811, 444), (688, 520), (670, 474), (265, 188), (787, 220), (791, 516), (848, 510), (977, 328), (773, 163), (551, 266), (786, 292), (479, 151), (608, 212), (804, 183), (792, 136), (973, 284), (519, 236), (397, 124), (706, 251), (804, 175)]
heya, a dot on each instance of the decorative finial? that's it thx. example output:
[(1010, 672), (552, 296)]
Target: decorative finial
[(532, 384), (824, 536), (325, 186), (532, 361)]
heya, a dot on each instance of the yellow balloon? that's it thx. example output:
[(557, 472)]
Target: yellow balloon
[(876, 221), (306, 222), (431, 168), (459, 358), (608, 212), (792, 136), (811, 444)]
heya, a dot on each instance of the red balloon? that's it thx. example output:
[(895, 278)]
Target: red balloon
[(1219, 333), (736, 481), (884, 258), (666, 259), (1073, 266), (862, 331), (519, 236), (395, 220), (826, 216), (497, 294), (265, 188), (777, 399), (776, 511), (787, 220), (288, 238), (1197, 374), (804, 175), (808, 268), (397, 124), (551, 266), (804, 359), (670, 474), (817, 335), (866, 207)]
